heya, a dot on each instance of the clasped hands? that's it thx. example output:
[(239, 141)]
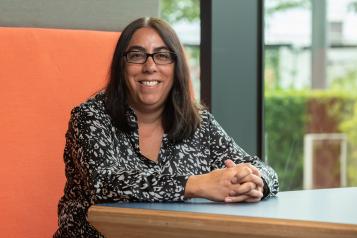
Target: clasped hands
[(235, 183), (247, 184)]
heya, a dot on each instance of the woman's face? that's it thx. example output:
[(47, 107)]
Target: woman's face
[(149, 83)]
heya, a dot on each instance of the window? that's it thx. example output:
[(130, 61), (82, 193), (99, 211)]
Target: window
[(310, 92), (184, 17)]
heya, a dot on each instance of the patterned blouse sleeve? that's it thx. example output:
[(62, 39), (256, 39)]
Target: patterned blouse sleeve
[(93, 154), (224, 147)]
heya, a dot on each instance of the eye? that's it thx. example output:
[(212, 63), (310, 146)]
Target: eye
[(165, 56), (133, 55)]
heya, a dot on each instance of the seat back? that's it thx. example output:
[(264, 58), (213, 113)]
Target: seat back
[(44, 73)]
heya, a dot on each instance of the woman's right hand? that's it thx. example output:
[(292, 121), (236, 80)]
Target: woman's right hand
[(255, 194), (217, 185)]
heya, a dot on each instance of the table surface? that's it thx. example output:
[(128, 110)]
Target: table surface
[(322, 205)]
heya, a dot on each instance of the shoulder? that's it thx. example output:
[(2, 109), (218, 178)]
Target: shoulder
[(206, 118), (93, 105), (209, 123), (89, 122), (92, 109)]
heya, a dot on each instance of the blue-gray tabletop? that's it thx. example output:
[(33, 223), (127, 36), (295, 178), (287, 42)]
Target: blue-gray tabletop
[(337, 205)]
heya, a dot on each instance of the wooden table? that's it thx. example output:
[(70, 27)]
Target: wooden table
[(307, 213)]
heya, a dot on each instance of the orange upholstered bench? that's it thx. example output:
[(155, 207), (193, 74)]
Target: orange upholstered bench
[(43, 74)]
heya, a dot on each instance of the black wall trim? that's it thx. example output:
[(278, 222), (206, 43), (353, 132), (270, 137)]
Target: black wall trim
[(206, 53), (260, 79)]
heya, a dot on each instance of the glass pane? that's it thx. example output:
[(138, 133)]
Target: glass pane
[(184, 17), (310, 92)]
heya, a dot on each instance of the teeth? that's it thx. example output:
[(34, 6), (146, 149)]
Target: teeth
[(150, 83)]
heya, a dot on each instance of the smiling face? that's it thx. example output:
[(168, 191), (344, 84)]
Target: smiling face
[(148, 84)]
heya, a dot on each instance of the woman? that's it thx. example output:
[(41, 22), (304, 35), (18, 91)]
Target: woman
[(144, 139)]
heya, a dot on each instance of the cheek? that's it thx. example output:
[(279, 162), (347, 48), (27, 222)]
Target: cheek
[(129, 76), (128, 72), (170, 74), (129, 85)]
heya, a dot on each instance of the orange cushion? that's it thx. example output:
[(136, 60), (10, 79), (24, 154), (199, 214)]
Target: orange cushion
[(44, 73)]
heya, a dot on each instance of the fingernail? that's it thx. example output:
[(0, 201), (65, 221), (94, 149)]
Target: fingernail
[(227, 199)]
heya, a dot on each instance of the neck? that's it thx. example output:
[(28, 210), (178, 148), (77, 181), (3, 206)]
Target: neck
[(149, 116)]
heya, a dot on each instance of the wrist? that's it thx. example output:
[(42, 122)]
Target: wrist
[(193, 187), (266, 189)]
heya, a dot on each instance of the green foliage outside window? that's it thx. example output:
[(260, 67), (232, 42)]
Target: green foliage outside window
[(286, 123), (349, 127), (182, 10), (284, 128), (346, 82)]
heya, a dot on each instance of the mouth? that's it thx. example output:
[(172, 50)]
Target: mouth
[(149, 83)]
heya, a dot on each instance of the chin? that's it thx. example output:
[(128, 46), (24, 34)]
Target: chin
[(150, 101), (151, 104)]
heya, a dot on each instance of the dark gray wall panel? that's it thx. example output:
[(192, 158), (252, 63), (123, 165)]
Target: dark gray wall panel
[(235, 70), (107, 15)]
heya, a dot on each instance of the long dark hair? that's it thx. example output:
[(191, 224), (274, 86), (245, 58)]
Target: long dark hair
[(181, 114)]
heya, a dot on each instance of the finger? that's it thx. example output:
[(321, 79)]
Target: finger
[(254, 169), (241, 173), (240, 198), (252, 178), (261, 188), (240, 189), (255, 193), (252, 199), (229, 163)]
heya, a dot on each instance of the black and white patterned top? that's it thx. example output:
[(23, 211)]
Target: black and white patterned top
[(104, 164)]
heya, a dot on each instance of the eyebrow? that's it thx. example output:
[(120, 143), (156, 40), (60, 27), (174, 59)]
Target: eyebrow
[(140, 48)]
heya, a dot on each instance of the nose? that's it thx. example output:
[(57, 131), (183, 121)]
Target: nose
[(149, 65)]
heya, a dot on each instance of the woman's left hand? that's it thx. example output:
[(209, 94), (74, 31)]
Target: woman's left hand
[(251, 189)]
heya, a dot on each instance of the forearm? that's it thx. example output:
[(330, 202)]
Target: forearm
[(193, 188), (136, 186), (215, 185)]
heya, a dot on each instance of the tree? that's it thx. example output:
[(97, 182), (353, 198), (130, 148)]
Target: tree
[(353, 6), (283, 5), (182, 10)]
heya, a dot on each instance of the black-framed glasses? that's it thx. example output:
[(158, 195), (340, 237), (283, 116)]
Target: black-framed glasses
[(140, 57)]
